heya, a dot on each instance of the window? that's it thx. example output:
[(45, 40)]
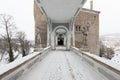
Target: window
[(78, 28), (94, 17)]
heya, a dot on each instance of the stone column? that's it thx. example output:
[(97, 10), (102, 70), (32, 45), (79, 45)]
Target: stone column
[(73, 36), (50, 30), (48, 34), (56, 39), (65, 39)]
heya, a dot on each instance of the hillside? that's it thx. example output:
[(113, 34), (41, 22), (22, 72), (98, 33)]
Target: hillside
[(113, 37)]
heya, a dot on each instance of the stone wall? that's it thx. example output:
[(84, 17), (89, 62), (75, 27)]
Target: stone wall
[(40, 27), (87, 31)]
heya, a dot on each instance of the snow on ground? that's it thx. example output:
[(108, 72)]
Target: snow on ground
[(17, 55), (103, 60), (52, 67), (5, 65), (81, 69), (60, 48), (61, 65), (16, 62), (4, 60), (116, 57)]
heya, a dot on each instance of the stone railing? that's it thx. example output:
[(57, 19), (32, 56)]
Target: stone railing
[(106, 68), (15, 69)]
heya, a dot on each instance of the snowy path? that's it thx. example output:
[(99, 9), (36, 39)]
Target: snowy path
[(61, 65)]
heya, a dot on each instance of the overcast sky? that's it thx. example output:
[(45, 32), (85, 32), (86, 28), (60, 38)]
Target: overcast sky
[(109, 16), (22, 11)]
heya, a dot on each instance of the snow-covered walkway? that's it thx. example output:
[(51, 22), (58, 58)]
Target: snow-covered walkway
[(61, 65)]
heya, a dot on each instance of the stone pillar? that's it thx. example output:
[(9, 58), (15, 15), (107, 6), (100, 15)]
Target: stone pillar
[(52, 36), (56, 39), (68, 40), (65, 39), (52, 40), (69, 34), (48, 35), (73, 36), (50, 31)]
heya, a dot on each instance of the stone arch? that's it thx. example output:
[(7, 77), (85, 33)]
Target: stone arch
[(53, 36)]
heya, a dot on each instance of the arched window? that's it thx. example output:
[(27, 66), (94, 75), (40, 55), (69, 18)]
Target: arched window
[(76, 28)]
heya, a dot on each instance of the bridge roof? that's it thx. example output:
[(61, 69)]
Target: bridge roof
[(60, 10)]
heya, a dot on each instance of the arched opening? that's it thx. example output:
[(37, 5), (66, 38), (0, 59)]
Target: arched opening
[(60, 40), (60, 37)]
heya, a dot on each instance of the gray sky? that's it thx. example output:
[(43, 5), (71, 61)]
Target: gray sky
[(22, 11), (109, 16)]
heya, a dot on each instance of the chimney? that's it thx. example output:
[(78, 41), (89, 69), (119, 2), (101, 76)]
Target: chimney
[(91, 5)]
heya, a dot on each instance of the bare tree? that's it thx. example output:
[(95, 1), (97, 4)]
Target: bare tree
[(110, 53), (2, 47), (7, 23), (103, 49), (27, 47), (24, 44)]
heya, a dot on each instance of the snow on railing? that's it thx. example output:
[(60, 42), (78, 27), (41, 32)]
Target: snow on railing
[(107, 68), (17, 62), (20, 62), (105, 61)]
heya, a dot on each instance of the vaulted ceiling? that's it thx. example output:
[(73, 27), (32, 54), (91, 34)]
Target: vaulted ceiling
[(60, 10)]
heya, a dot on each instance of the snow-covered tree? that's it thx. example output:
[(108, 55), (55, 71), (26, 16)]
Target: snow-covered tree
[(8, 25), (24, 44)]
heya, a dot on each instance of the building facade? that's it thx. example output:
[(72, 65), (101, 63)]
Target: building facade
[(83, 33), (87, 30)]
